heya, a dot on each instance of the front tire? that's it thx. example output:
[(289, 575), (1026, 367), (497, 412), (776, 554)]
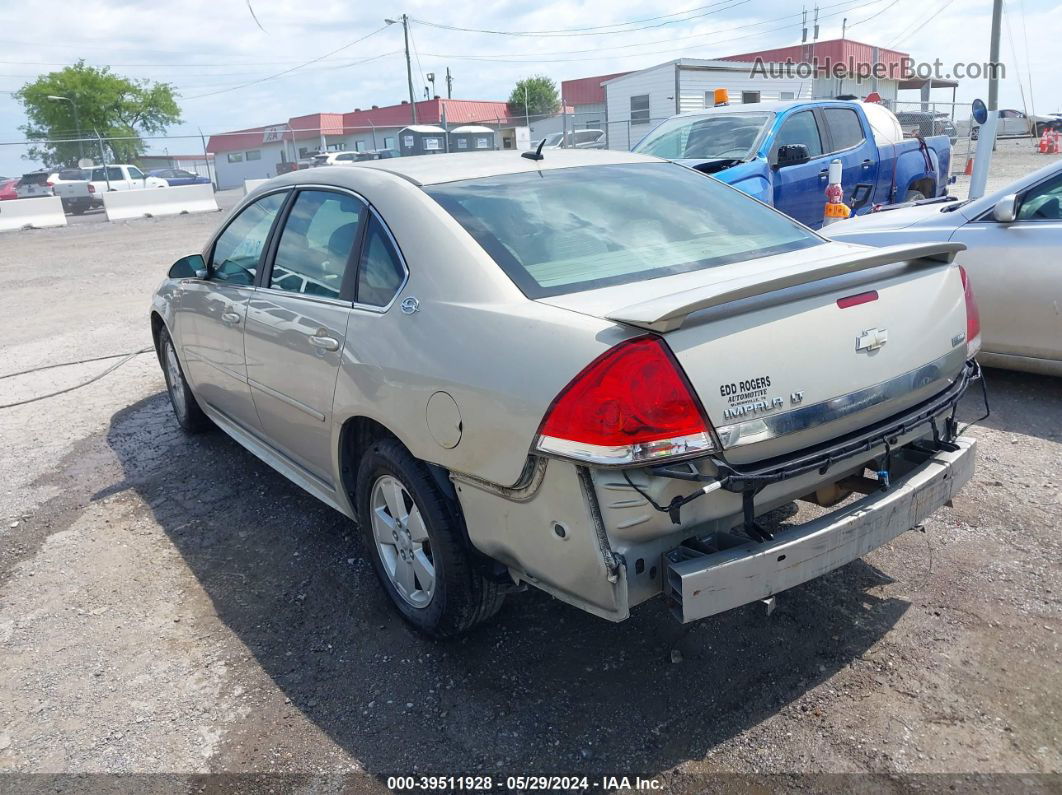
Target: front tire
[(914, 196), (417, 545), (185, 407)]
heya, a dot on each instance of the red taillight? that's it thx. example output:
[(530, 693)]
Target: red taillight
[(631, 404), (91, 188), (973, 316), (50, 184)]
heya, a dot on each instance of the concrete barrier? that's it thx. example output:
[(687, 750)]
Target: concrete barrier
[(35, 213), (252, 184), (149, 202)]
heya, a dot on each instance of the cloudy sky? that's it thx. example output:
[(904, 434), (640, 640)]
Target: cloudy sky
[(226, 66)]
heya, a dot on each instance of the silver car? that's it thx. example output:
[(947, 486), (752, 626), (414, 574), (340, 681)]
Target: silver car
[(592, 372), (1013, 238)]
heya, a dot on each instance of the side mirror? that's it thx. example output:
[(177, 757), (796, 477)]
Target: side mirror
[(792, 155), (1006, 209), (191, 267)]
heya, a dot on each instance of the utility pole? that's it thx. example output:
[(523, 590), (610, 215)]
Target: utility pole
[(527, 109), (449, 84), (993, 56), (409, 63)]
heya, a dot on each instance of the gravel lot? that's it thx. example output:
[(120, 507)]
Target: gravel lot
[(169, 604)]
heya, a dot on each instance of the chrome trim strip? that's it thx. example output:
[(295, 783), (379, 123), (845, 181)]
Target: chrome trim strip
[(286, 399), (761, 429), (642, 453)]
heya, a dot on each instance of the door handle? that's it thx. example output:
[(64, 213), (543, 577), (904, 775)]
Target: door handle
[(324, 343), (867, 163), (230, 318), (824, 173)]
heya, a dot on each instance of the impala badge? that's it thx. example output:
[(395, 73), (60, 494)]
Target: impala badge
[(872, 339)]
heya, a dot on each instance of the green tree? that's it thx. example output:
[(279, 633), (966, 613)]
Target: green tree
[(95, 101), (541, 94)]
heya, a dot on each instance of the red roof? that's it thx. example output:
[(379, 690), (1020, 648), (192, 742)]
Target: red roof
[(586, 90), (238, 139), (429, 111), (313, 125), (833, 51)]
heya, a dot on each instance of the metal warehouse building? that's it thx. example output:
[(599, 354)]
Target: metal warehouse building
[(627, 105)]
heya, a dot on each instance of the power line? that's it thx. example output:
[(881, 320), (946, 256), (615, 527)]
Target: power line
[(876, 14), (713, 37), (911, 28), (598, 29), (294, 68)]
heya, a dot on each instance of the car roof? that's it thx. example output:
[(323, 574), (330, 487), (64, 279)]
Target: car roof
[(436, 169), (776, 106)]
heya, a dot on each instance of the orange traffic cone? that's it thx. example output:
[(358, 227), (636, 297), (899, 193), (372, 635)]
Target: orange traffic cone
[(1045, 142), (969, 167)]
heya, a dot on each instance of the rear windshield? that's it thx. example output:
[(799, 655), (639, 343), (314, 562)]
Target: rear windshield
[(566, 230), (36, 178)]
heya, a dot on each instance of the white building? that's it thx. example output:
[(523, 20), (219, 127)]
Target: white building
[(637, 102), (629, 105)]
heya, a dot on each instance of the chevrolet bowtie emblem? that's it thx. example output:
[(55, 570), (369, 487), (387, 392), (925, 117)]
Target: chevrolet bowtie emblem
[(872, 339)]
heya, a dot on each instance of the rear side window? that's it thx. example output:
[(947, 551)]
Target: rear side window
[(380, 273), (238, 250), (71, 174), (844, 126), (559, 231), (316, 244), (800, 128)]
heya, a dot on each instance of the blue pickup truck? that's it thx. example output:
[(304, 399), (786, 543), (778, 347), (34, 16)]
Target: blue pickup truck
[(780, 152)]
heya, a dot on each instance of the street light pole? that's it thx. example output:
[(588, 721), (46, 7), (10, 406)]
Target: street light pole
[(77, 124), (409, 63)]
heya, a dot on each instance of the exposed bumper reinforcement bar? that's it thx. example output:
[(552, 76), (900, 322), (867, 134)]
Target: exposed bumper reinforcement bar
[(699, 585)]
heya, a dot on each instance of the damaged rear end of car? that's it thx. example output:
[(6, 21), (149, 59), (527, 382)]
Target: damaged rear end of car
[(761, 366)]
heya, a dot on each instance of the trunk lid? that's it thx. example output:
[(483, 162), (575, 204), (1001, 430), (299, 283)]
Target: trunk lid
[(778, 363)]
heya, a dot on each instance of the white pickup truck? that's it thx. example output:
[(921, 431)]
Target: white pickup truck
[(85, 194)]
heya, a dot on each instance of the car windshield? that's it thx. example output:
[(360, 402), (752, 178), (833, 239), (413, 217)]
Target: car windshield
[(555, 139), (560, 231), (712, 136)]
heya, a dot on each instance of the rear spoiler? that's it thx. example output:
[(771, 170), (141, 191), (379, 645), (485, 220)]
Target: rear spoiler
[(669, 312)]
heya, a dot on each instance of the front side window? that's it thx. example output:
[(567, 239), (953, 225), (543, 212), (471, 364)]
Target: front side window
[(238, 251), (800, 128), (712, 136), (844, 126), (380, 272), (565, 230), (135, 173), (640, 109), (316, 243), (1043, 202)]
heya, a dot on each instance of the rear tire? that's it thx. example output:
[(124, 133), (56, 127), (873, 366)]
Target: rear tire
[(185, 407), (418, 547)]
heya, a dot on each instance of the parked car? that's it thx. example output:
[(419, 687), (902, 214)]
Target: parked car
[(81, 195), (574, 139), (1016, 124), (780, 152), (588, 373), (178, 176), (287, 168), (7, 189), (34, 185), (1013, 239), (926, 124)]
